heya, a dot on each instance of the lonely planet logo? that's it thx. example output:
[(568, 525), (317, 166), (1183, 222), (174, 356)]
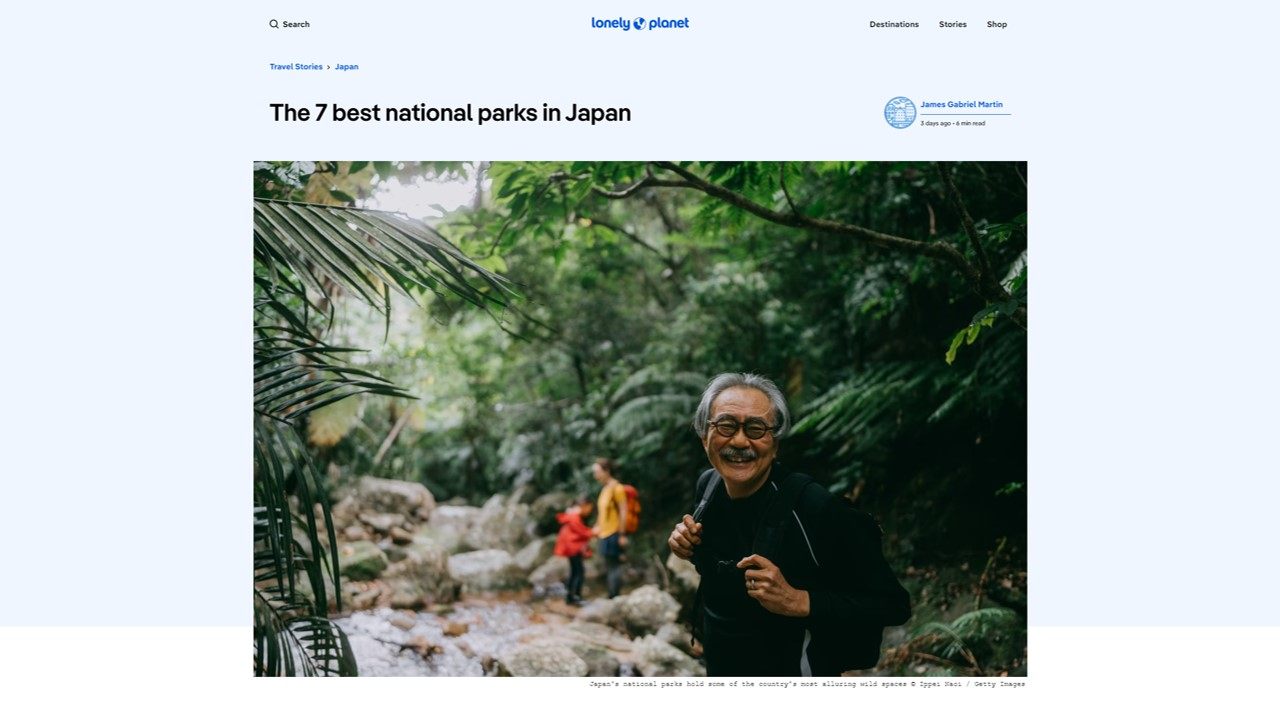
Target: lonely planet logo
[(900, 112)]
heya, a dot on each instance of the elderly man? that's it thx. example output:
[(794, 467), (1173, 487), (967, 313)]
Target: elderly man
[(793, 581)]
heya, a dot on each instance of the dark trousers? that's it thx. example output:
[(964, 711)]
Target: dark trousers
[(611, 549), (613, 574), (577, 574)]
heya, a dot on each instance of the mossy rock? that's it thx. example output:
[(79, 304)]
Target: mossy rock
[(362, 560)]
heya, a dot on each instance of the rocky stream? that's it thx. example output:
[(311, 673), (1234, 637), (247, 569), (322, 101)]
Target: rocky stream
[(446, 589)]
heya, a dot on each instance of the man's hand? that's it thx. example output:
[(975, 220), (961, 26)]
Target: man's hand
[(687, 534), (766, 584)]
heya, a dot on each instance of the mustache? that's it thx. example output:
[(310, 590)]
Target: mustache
[(733, 454)]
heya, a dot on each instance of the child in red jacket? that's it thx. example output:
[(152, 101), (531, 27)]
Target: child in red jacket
[(573, 542)]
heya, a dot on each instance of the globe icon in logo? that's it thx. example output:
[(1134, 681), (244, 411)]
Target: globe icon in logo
[(900, 112)]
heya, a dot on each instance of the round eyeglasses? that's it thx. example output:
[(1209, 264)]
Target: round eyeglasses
[(753, 428)]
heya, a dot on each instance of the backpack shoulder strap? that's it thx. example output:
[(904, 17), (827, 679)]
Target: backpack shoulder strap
[(782, 512), (708, 482), (812, 499)]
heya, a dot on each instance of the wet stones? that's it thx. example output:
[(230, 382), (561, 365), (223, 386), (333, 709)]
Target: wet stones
[(646, 609), (655, 658), (542, 659), (483, 570)]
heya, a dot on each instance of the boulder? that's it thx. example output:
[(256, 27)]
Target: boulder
[(500, 525), (600, 662), (645, 609), (395, 496), (485, 570), (344, 512), (535, 553), (542, 512), (602, 611), (302, 584), (448, 527), (382, 522), (554, 569), (655, 658), (421, 578), (542, 659), (361, 560), (595, 644), (597, 634), (677, 636), (522, 494), (682, 580)]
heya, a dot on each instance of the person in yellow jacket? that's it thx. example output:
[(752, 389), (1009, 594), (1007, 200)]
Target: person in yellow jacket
[(611, 522)]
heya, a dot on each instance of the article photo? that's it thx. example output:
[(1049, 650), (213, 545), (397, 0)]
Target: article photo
[(658, 419)]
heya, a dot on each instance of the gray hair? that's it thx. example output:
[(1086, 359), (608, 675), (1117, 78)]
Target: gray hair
[(724, 381)]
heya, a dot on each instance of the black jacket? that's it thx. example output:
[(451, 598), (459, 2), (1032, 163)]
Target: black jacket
[(853, 595)]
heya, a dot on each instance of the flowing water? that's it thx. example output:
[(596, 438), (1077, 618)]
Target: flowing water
[(460, 642), (424, 648)]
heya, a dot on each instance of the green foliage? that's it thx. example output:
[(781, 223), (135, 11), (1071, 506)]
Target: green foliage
[(306, 258), (969, 334), (977, 641), (1017, 286), (861, 418), (291, 634), (652, 400)]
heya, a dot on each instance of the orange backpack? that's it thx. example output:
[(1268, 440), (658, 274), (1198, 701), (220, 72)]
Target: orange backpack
[(633, 508)]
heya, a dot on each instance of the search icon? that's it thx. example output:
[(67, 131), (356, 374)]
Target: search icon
[(274, 24)]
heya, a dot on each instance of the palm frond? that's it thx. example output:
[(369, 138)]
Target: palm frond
[(858, 420), (658, 377), (305, 645), (647, 413), (305, 255), (969, 638), (983, 620), (365, 253)]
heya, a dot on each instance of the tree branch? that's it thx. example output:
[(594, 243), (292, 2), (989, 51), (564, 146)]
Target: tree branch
[(625, 192), (939, 250), (989, 285), (782, 180), (953, 193), (981, 283), (1018, 172), (391, 436), (647, 181), (617, 229)]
